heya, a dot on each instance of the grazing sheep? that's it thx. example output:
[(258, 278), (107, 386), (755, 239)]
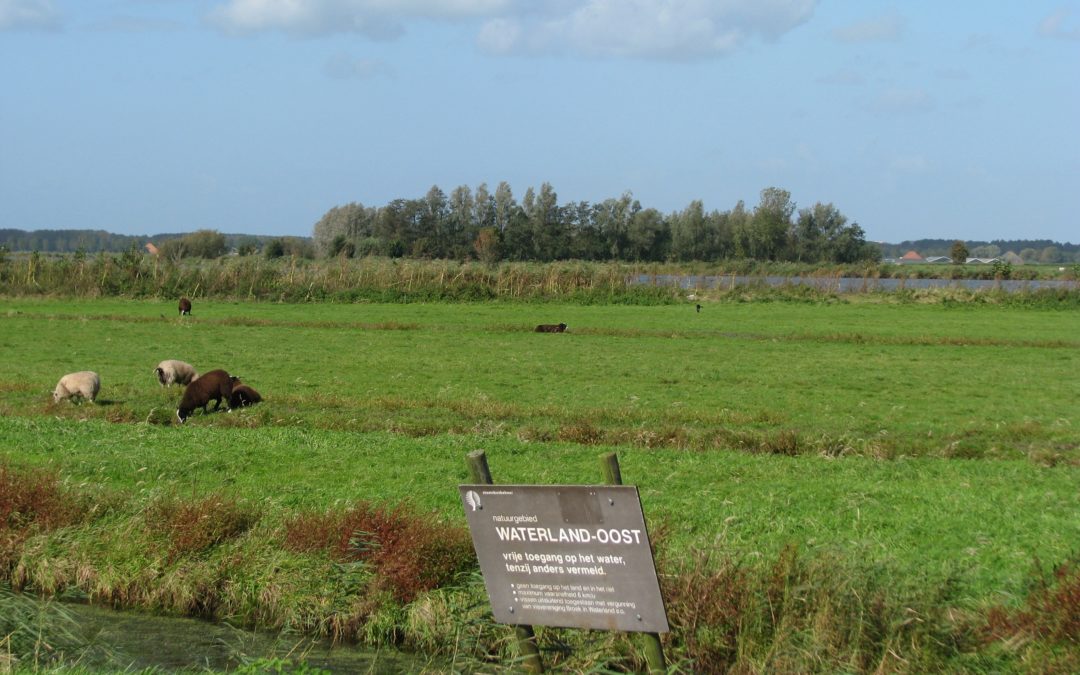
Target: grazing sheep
[(172, 371), (243, 395), (185, 306), (84, 383), (551, 328), (213, 386), (699, 309)]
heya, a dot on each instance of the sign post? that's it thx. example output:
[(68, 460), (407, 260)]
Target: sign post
[(575, 556), (654, 649), (530, 653)]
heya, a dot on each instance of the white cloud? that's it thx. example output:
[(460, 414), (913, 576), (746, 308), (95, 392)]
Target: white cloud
[(887, 28), (670, 29), (1054, 26), (499, 36), (377, 19), (667, 29), (28, 15), (136, 24)]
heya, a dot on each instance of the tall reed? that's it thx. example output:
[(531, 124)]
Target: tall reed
[(338, 280)]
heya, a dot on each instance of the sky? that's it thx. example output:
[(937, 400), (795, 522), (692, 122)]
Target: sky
[(918, 119)]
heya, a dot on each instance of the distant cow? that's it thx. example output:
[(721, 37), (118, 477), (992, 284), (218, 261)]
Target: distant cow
[(185, 306), (551, 328)]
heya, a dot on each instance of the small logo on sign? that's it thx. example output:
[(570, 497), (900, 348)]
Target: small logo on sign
[(473, 500)]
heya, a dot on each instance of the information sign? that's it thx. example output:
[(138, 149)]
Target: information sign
[(576, 556)]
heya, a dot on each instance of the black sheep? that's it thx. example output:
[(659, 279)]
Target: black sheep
[(551, 328), (185, 306), (243, 395), (214, 386)]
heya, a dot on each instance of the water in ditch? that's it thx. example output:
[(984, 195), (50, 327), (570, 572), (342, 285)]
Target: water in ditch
[(125, 640)]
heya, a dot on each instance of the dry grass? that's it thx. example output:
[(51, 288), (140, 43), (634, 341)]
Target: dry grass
[(32, 500), (794, 614), (409, 553), (1046, 630), (193, 527)]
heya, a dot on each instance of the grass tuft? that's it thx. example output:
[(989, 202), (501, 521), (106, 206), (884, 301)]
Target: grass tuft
[(792, 614), (193, 527), (410, 553), (1051, 612), (32, 500)]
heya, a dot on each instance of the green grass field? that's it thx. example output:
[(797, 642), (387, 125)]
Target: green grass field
[(935, 444)]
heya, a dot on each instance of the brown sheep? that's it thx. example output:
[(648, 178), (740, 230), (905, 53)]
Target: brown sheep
[(551, 328), (214, 386), (185, 306), (243, 395)]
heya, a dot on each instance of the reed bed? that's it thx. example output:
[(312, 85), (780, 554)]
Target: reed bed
[(343, 280), (375, 279)]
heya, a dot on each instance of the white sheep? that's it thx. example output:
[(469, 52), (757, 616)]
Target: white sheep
[(172, 371), (84, 383)]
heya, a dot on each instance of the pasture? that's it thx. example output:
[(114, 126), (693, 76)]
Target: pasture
[(935, 445)]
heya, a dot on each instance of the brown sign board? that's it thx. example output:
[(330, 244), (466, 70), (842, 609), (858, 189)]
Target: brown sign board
[(576, 556)]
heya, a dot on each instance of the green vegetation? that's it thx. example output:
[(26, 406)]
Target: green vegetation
[(837, 485), (293, 278), (1045, 251), (494, 226)]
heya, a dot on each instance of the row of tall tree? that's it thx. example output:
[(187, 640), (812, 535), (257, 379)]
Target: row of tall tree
[(493, 226)]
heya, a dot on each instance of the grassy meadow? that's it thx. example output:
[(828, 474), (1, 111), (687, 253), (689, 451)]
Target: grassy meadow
[(921, 458)]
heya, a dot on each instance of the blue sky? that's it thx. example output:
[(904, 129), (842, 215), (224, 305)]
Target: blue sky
[(915, 119)]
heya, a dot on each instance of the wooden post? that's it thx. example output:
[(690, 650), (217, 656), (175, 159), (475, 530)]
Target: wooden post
[(654, 649), (526, 639)]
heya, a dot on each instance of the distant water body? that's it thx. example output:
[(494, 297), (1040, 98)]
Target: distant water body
[(847, 284)]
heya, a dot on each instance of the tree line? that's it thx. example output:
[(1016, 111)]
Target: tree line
[(1027, 250), (494, 226), (201, 243)]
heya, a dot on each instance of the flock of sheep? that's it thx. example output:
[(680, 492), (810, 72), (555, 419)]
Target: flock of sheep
[(216, 385)]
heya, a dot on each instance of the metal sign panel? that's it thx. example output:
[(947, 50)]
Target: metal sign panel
[(576, 556)]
